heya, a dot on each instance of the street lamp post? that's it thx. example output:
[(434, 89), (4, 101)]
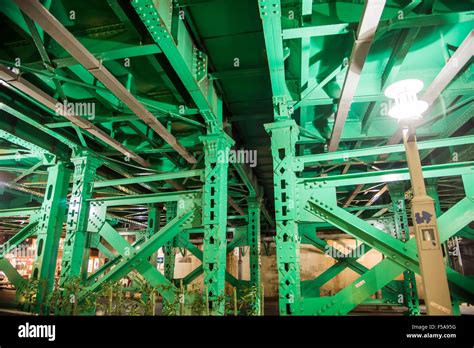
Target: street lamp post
[(435, 284)]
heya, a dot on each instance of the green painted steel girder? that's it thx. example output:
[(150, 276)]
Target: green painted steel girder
[(30, 90), (150, 273), (388, 25), (322, 245), (107, 253), (379, 150), (398, 251), (39, 126), (184, 243), (145, 199), (304, 59), (189, 63), (373, 93), (253, 237), (431, 20), (168, 249), (191, 276), (5, 266), (153, 226), (270, 13), (36, 151), (19, 237), (214, 211), (248, 178), (126, 51), (380, 275), (402, 232), (391, 175), (284, 135), (19, 157), (56, 30), (50, 222), (138, 258), (364, 231), (75, 256), (310, 287), (317, 88), (150, 178), (27, 211), (13, 276), (113, 260), (318, 30)]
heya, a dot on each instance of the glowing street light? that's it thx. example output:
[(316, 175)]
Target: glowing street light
[(430, 256), (407, 105)]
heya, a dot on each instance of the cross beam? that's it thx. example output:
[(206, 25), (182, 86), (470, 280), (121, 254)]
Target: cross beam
[(360, 51), (137, 258), (37, 12), (380, 275)]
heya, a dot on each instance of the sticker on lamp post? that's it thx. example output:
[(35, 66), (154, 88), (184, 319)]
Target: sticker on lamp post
[(423, 217)]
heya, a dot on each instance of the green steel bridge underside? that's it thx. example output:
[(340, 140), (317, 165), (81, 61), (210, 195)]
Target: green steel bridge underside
[(115, 115)]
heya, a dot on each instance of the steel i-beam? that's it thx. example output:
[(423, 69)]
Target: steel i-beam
[(37, 12), (215, 220), (410, 296), (137, 258), (365, 36), (77, 217), (270, 14), (153, 225), (168, 248), (50, 223), (284, 135), (253, 230), (381, 274)]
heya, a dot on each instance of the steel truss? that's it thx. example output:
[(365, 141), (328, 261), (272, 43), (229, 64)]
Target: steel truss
[(309, 177), (89, 222), (301, 203), (87, 228)]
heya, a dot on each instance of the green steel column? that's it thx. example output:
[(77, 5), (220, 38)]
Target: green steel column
[(168, 249), (432, 190), (253, 230), (85, 167), (50, 223), (153, 225), (410, 296), (214, 210), (154, 214), (284, 135)]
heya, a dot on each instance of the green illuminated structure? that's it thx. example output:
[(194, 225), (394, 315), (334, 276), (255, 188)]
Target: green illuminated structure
[(330, 117), (115, 117)]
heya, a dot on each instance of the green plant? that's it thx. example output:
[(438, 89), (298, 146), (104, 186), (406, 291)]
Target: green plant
[(248, 300), (27, 295)]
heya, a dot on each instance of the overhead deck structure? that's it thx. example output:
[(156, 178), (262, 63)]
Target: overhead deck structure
[(119, 114), (334, 146), (107, 119)]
